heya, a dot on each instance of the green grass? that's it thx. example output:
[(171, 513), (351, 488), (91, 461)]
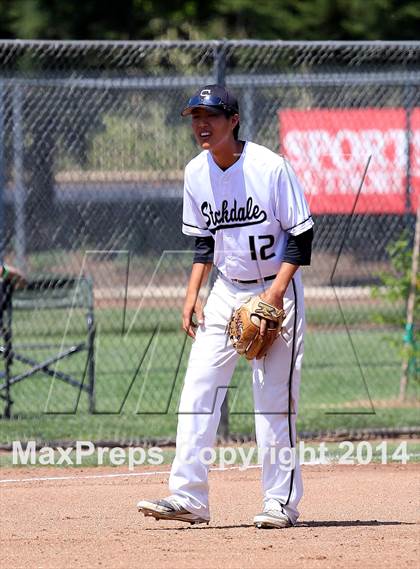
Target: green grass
[(53, 322), (340, 376), (353, 314)]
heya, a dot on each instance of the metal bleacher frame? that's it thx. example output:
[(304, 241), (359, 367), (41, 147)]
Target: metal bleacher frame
[(46, 293)]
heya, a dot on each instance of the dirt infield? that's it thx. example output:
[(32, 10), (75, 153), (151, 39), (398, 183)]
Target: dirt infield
[(351, 516)]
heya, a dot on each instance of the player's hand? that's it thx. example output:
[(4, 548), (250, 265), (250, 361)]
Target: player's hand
[(190, 309), (272, 298), (13, 275)]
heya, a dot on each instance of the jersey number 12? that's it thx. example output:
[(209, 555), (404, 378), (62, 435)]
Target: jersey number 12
[(263, 253)]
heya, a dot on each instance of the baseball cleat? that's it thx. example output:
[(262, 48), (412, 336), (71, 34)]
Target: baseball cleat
[(272, 518), (169, 509)]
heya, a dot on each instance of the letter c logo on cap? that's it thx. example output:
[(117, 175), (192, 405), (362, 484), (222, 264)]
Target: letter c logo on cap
[(205, 92)]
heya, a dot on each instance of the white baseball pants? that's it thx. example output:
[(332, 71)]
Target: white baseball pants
[(275, 380)]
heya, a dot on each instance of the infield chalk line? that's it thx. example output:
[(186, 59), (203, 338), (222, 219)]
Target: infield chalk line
[(158, 472), (119, 475)]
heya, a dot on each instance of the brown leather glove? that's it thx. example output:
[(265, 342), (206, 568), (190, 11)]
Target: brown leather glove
[(244, 327)]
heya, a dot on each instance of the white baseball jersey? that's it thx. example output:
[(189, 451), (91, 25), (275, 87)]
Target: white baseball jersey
[(249, 209)]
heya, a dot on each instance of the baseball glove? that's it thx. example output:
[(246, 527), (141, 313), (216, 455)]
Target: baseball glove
[(244, 327)]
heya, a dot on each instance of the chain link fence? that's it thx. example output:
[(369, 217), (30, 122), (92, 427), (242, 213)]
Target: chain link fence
[(92, 151)]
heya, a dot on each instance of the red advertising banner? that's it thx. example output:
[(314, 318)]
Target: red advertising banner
[(330, 150)]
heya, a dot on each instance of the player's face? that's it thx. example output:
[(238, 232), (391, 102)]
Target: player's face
[(212, 128)]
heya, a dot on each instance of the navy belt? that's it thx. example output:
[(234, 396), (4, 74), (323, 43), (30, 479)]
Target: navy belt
[(255, 281)]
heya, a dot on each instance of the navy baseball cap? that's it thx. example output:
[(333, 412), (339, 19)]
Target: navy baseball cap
[(215, 96)]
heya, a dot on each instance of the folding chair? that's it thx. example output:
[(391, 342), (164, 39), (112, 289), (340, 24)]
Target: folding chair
[(41, 294)]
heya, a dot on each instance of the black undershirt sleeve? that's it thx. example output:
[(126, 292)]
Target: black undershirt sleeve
[(203, 250), (299, 248)]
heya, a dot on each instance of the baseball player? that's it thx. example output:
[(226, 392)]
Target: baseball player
[(249, 217)]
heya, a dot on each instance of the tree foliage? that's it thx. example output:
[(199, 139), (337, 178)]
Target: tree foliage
[(395, 288), (194, 19), (397, 281)]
